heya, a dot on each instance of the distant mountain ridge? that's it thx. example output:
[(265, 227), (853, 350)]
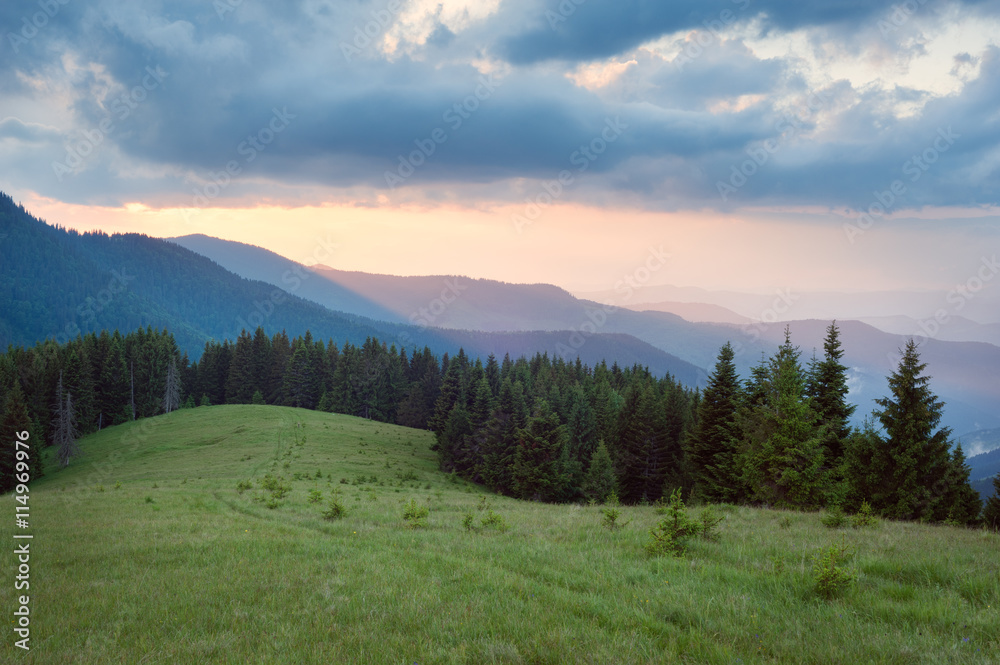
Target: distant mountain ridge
[(58, 284), (962, 371)]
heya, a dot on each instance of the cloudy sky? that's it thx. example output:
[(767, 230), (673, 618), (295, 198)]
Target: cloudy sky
[(759, 144)]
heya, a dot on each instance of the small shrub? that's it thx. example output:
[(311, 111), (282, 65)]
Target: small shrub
[(315, 496), (99, 488), (272, 503), (834, 518), (243, 486), (670, 534), (149, 499), (484, 504), (610, 520), (335, 509), (414, 515), (785, 522), (275, 486), (118, 485), (864, 517), (709, 521), (407, 476), (493, 520), (469, 522), (829, 577)]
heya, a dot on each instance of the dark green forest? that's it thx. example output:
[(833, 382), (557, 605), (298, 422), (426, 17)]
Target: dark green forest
[(538, 428)]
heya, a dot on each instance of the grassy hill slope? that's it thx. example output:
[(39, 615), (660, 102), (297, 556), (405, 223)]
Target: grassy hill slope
[(175, 565)]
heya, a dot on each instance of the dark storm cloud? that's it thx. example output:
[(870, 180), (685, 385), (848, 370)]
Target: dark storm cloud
[(229, 73)]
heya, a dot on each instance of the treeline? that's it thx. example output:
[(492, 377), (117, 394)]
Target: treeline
[(543, 428), (783, 438)]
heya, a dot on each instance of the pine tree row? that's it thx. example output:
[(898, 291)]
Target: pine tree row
[(538, 428)]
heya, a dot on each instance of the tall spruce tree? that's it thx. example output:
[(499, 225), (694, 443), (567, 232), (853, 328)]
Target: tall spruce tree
[(826, 387), (961, 500), (537, 473), (713, 443), (782, 452), (916, 482)]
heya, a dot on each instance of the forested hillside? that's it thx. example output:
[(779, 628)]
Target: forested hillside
[(57, 284)]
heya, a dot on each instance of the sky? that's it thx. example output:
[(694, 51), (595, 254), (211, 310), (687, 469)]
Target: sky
[(750, 144)]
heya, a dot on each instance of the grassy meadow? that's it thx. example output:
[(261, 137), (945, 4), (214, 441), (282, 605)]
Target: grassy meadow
[(145, 551)]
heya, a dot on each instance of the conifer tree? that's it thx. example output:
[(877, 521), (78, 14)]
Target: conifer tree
[(782, 453), (826, 387), (916, 479), (582, 427), (452, 391), (113, 383), (643, 450), (712, 445), (483, 403), (599, 482), (536, 472), (497, 439), (961, 500), (452, 445)]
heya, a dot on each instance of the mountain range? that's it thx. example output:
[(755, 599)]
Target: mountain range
[(57, 284), (963, 373)]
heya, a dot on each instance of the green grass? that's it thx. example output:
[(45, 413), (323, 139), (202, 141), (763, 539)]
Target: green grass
[(178, 566)]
